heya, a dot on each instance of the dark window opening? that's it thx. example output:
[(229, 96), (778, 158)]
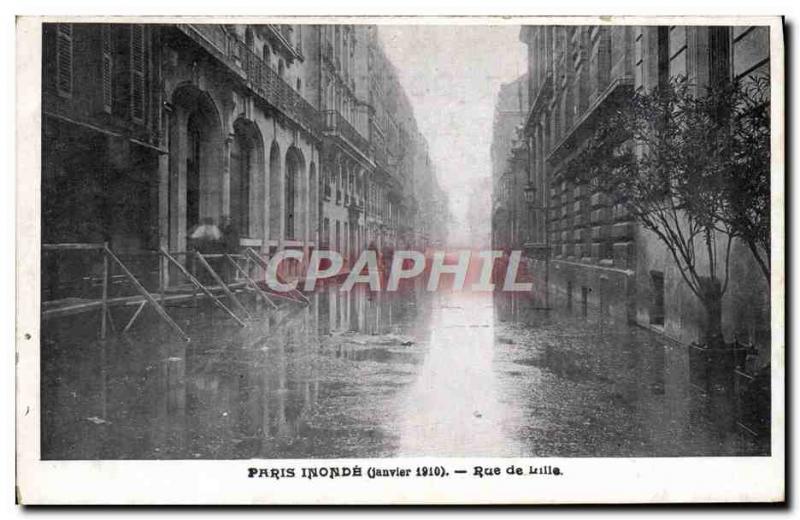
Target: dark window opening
[(107, 67), (137, 71), (585, 300), (663, 56), (657, 309), (64, 59), (291, 179), (569, 295)]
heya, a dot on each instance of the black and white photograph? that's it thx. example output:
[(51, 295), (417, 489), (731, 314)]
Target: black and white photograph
[(329, 252)]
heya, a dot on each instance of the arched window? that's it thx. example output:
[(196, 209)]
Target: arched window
[(248, 38), (281, 68)]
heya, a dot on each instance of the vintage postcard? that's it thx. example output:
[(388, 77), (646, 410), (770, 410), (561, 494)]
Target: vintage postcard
[(400, 261)]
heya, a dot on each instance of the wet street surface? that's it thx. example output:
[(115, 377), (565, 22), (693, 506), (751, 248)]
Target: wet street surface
[(358, 375)]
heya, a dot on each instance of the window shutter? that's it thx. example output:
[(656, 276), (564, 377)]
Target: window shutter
[(107, 68), (137, 72), (64, 59)]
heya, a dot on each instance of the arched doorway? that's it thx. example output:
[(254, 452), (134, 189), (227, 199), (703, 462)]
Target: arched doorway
[(194, 140), (246, 180), (195, 187)]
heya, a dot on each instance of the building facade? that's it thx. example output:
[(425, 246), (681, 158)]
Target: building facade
[(293, 136), (509, 156), (595, 256)]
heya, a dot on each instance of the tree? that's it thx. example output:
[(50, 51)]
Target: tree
[(747, 183), (692, 169)]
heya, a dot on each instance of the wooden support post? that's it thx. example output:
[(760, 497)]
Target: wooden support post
[(201, 287), (224, 287), (111, 321), (252, 282), (135, 315), (163, 267), (104, 308), (149, 297)]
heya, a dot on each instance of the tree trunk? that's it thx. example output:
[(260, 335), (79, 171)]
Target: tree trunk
[(762, 261), (712, 302)]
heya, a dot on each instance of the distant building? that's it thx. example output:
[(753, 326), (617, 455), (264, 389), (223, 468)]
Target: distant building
[(510, 214), (480, 205)]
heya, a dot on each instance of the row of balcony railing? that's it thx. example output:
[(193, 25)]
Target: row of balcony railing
[(337, 123), (275, 90), (260, 74)]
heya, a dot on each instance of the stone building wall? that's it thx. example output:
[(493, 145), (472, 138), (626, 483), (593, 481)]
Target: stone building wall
[(599, 259)]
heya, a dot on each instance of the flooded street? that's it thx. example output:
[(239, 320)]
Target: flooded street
[(378, 375)]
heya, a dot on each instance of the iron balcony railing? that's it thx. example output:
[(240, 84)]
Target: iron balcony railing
[(337, 124), (274, 89), (262, 78)]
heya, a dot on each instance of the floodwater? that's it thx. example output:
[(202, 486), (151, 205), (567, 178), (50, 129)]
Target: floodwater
[(377, 375)]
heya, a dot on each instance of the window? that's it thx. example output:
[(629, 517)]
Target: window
[(569, 295), (326, 233), (107, 67), (291, 190), (299, 85), (585, 300), (64, 59), (337, 43), (638, 59), (137, 72), (299, 44), (248, 38), (663, 55), (657, 306)]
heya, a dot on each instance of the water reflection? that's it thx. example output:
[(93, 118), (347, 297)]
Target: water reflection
[(362, 374), (454, 407), (230, 393), (598, 387)]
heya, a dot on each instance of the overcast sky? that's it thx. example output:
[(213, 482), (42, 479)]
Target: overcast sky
[(452, 75)]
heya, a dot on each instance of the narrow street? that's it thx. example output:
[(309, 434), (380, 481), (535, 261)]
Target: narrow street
[(448, 374), (501, 240)]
